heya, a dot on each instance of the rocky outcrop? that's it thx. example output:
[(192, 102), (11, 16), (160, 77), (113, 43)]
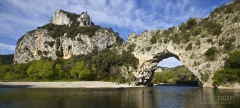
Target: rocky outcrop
[(62, 17), (200, 44), (45, 42), (190, 43), (85, 20)]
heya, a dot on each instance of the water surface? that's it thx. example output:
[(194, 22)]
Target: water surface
[(149, 97)]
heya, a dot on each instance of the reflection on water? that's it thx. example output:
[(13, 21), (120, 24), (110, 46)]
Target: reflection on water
[(154, 97)]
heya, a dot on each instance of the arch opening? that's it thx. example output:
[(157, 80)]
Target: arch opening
[(169, 70)]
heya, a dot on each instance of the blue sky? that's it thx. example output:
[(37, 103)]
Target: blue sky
[(124, 16)]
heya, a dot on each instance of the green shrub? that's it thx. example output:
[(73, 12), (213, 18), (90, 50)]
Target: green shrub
[(196, 31), (228, 43), (174, 75), (233, 60), (228, 9), (189, 47), (42, 69), (131, 47), (153, 39), (198, 42), (231, 71), (190, 23), (210, 54), (235, 19), (81, 71), (204, 77), (165, 40), (185, 37), (209, 40), (45, 52), (175, 38), (39, 52), (148, 48), (3, 70), (50, 43), (56, 31), (224, 76), (167, 32), (213, 28), (119, 40)]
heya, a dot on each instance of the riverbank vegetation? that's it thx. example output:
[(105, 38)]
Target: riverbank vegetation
[(178, 76), (97, 65), (231, 71)]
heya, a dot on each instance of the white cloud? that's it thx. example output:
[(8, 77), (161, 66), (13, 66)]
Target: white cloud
[(21, 16), (6, 49)]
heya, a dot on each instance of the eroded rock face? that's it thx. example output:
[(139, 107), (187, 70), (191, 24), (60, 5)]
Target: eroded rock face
[(188, 43), (62, 17), (150, 55), (85, 20), (151, 47), (43, 42)]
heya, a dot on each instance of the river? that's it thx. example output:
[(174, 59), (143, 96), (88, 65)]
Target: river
[(149, 97)]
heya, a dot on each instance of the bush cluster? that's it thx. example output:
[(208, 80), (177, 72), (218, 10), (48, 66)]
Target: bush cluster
[(231, 71), (213, 27), (153, 40), (227, 43), (175, 75), (56, 31), (97, 65), (189, 47), (210, 54), (227, 9)]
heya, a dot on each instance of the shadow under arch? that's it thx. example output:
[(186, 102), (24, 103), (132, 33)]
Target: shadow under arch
[(151, 66)]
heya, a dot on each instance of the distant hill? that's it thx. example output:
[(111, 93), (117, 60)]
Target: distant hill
[(179, 75), (6, 59)]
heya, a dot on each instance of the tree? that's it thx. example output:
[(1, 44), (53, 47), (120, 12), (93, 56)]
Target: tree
[(3, 70), (41, 69), (81, 71), (20, 69), (211, 53), (59, 72), (233, 60)]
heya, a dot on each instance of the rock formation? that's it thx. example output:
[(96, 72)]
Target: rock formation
[(190, 43), (57, 39), (200, 44)]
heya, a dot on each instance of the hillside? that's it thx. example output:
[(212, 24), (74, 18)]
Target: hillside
[(71, 46), (6, 59), (66, 34), (179, 75), (202, 45)]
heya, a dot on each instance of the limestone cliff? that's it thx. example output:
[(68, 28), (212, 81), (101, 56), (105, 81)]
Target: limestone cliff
[(200, 44), (67, 34)]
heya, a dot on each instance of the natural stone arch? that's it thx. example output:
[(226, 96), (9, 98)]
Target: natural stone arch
[(149, 54), (148, 68)]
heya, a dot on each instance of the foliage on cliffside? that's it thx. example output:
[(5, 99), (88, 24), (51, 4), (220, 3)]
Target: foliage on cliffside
[(196, 28), (57, 31), (97, 65), (231, 71), (177, 75)]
